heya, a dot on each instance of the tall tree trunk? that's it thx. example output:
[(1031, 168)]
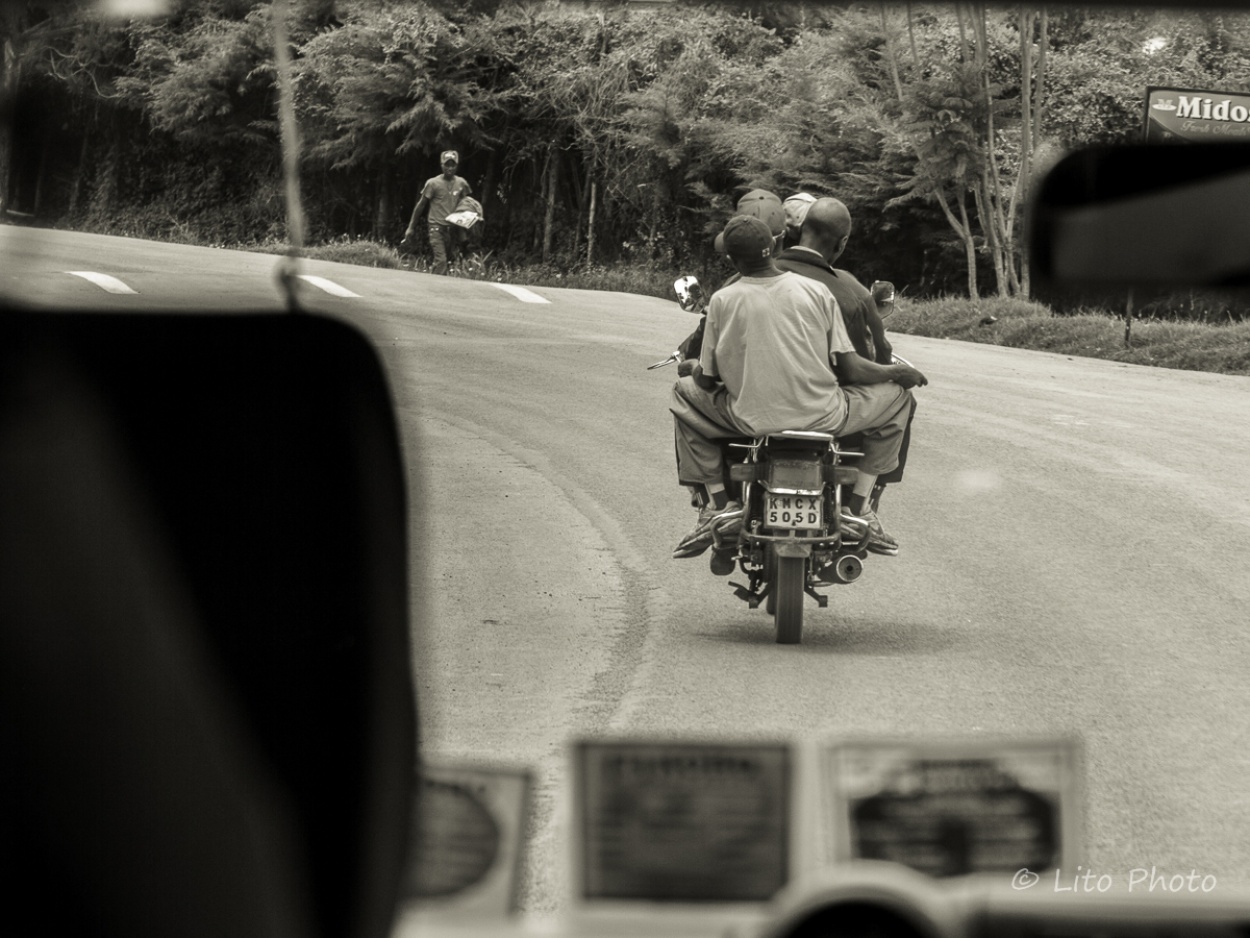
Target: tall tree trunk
[(80, 171), (970, 249), (382, 217), (964, 52), (10, 73), (1026, 142), (962, 227), (983, 199), (891, 57), (1034, 123), (42, 173), (549, 218), (590, 223), (488, 183), (989, 193), (911, 36), (540, 184), (583, 191), (654, 221), (108, 181)]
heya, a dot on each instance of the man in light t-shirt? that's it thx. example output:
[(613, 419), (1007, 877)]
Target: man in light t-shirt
[(770, 346), (441, 195)]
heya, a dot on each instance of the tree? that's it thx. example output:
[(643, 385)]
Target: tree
[(968, 113), (592, 136), (47, 51)]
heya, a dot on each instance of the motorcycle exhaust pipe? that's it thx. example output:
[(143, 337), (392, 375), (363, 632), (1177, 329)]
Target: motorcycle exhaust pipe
[(846, 569)]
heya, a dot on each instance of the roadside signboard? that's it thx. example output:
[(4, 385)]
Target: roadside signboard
[(1179, 115), (467, 833), (682, 822), (949, 809)]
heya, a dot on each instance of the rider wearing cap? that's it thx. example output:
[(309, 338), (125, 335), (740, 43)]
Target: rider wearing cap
[(441, 195), (763, 205), (771, 346)]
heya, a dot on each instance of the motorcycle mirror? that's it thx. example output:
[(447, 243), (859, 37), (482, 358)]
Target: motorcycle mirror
[(688, 292), (883, 295), (1145, 214)]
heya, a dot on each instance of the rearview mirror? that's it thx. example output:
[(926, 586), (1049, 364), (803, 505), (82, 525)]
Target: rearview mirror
[(883, 295), (1164, 214)]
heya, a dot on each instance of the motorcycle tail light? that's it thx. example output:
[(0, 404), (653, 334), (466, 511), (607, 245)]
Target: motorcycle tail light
[(787, 473), (746, 472)]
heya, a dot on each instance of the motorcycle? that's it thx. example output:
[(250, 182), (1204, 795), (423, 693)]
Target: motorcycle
[(791, 537)]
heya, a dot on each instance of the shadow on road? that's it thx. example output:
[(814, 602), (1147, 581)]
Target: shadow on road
[(879, 636)]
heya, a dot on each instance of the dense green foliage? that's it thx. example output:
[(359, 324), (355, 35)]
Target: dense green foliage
[(622, 134)]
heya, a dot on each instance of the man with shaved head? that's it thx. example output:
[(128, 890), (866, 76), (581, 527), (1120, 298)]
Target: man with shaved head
[(824, 227)]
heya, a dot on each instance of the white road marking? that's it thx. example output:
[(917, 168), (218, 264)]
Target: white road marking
[(329, 286), (103, 281), (522, 294)]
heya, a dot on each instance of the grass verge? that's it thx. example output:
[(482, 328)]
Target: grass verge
[(1222, 349)]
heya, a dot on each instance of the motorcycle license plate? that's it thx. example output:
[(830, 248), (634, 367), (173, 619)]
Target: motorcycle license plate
[(794, 511)]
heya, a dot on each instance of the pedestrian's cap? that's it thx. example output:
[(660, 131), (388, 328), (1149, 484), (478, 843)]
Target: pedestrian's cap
[(796, 209), (747, 238), (450, 156)]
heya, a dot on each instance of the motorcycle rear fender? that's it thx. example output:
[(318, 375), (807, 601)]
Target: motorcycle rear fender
[(811, 438), (792, 550)]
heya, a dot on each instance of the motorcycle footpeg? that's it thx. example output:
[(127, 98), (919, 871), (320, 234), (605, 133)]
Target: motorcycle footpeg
[(724, 561)]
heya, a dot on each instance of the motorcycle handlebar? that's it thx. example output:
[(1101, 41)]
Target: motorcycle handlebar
[(675, 357)]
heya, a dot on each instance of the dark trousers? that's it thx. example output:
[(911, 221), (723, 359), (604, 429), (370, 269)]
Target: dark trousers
[(895, 475), (443, 244)]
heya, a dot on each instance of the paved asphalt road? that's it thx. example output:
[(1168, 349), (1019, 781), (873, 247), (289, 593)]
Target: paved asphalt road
[(1075, 549)]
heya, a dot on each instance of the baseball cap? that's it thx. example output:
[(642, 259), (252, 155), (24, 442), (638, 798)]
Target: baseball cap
[(747, 238), (762, 195), (765, 206), (761, 204), (450, 156), (796, 207)]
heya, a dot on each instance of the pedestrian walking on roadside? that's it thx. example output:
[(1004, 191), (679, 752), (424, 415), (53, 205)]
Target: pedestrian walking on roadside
[(439, 198)]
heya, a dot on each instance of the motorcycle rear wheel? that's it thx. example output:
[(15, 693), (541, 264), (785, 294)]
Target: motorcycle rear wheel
[(788, 588)]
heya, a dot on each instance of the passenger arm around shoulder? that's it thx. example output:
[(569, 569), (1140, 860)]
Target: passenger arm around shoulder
[(705, 381), (852, 368)]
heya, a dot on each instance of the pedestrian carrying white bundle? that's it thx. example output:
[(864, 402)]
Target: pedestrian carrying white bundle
[(467, 214)]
